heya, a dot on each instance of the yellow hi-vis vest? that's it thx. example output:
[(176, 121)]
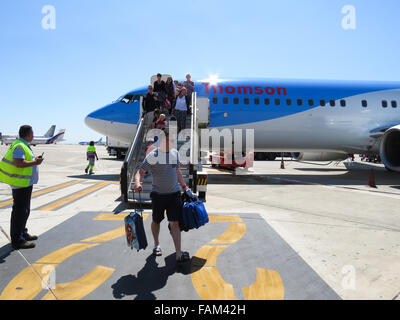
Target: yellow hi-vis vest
[(9, 173)]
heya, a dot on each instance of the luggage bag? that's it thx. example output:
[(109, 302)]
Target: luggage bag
[(194, 214), (134, 230)]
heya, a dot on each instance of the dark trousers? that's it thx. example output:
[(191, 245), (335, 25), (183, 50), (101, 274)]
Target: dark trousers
[(20, 213), (181, 119)]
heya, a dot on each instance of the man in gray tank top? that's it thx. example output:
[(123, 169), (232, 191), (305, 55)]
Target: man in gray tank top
[(163, 163)]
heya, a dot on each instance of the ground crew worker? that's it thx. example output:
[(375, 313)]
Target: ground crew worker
[(19, 170), (90, 155), (163, 163)]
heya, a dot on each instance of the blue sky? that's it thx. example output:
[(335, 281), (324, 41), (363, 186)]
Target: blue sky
[(101, 49)]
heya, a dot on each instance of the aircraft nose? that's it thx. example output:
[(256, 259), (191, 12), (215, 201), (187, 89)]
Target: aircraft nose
[(95, 123)]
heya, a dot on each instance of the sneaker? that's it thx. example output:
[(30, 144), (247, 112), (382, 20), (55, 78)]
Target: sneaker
[(157, 251), (23, 245), (86, 170), (28, 237), (184, 257)]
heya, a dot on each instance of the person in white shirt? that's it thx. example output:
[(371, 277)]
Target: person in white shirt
[(180, 108)]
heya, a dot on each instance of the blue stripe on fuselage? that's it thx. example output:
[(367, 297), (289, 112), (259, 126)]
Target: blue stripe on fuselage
[(283, 89)]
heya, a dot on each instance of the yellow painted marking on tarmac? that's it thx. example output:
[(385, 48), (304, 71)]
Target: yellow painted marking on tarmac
[(76, 290), (94, 182), (209, 283), (210, 254), (6, 203), (44, 191), (211, 286), (111, 235), (27, 284), (115, 217), (225, 218), (107, 236), (234, 233), (64, 253), (66, 200), (268, 286)]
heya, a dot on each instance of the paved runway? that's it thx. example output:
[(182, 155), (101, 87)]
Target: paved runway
[(305, 232)]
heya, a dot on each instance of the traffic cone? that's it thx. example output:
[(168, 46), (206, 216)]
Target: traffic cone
[(282, 164), (371, 180)]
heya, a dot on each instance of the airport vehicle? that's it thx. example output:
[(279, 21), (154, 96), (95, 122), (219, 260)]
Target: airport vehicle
[(99, 142), (6, 138), (116, 148), (271, 156), (52, 140), (316, 119), (230, 160)]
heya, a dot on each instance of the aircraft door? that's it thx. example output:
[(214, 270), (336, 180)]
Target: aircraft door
[(203, 109)]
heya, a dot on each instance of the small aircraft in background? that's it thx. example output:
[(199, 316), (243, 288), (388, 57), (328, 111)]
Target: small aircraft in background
[(99, 142), (38, 140), (12, 137)]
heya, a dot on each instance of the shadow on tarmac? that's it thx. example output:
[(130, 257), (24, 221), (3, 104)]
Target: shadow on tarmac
[(152, 278), (112, 159), (5, 252), (100, 177), (122, 206), (354, 176)]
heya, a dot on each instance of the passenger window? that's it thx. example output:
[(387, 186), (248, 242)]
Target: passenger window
[(384, 103), (342, 103), (267, 101), (322, 103), (332, 103), (215, 100), (246, 100), (299, 102), (310, 102), (394, 104), (278, 102), (257, 101), (364, 103), (225, 100), (289, 102), (235, 100)]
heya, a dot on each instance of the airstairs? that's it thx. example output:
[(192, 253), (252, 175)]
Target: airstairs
[(192, 172)]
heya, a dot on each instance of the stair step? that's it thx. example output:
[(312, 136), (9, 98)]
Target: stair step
[(144, 196)]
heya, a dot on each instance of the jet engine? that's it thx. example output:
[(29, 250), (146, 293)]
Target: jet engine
[(390, 149), (319, 156)]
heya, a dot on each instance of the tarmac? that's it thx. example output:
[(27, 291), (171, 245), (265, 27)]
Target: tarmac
[(305, 232)]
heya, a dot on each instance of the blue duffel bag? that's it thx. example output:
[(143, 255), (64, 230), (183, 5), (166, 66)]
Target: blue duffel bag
[(194, 214)]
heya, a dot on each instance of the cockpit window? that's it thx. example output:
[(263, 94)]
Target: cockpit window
[(129, 98)]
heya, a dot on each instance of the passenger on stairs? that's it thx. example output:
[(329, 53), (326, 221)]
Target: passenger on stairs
[(180, 109), (177, 87), (155, 119), (161, 123), (189, 85), (149, 105), (163, 163), (160, 90), (170, 90)]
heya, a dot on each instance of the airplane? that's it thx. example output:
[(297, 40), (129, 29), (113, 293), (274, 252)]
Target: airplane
[(48, 134), (99, 142), (40, 140), (316, 120)]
